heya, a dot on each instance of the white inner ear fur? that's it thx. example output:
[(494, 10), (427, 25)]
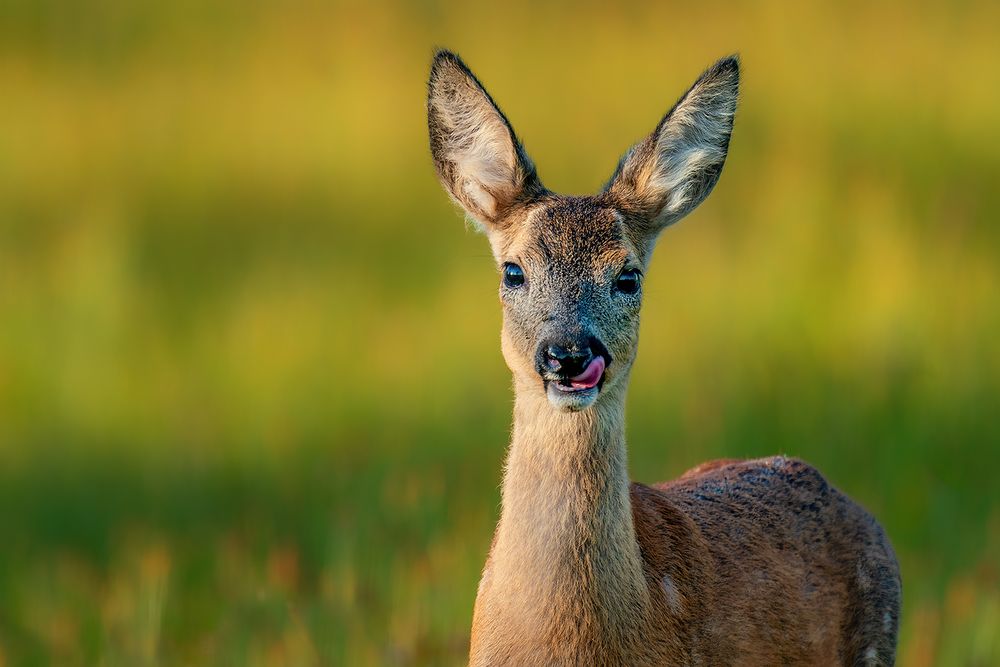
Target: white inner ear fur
[(479, 145), (677, 174)]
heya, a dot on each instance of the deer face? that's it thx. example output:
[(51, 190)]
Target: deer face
[(570, 285), (571, 268)]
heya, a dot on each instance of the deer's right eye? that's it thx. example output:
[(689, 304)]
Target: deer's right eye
[(513, 275)]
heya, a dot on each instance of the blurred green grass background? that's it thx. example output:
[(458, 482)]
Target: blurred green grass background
[(252, 405)]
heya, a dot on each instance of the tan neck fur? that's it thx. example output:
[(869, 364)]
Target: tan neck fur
[(565, 574)]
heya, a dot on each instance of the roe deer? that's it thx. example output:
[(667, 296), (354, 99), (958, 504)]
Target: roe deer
[(734, 563)]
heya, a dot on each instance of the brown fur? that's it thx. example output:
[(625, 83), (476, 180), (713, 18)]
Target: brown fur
[(734, 563)]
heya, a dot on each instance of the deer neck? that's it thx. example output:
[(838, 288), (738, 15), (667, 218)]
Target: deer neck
[(565, 557)]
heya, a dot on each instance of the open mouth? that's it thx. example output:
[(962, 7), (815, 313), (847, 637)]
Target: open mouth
[(592, 376)]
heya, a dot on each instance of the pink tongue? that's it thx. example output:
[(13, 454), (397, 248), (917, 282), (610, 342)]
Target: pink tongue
[(590, 376)]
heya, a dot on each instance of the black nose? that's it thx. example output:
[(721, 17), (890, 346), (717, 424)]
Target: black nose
[(566, 359)]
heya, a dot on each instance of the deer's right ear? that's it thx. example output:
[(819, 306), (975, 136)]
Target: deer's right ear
[(477, 155)]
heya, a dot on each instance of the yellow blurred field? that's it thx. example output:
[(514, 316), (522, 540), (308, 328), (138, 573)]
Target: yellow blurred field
[(252, 405)]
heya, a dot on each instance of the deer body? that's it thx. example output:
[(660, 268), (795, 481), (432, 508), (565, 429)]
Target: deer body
[(735, 563)]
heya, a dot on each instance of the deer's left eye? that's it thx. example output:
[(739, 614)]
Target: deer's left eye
[(628, 281), (513, 275)]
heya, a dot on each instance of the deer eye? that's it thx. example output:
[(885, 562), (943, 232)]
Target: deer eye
[(513, 275), (628, 281)]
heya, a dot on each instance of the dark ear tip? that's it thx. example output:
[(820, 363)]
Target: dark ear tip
[(441, 55), (445, 58), (730, 62), (725, 68)]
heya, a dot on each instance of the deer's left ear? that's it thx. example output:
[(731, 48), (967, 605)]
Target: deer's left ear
[(478, 157), (666, 175)]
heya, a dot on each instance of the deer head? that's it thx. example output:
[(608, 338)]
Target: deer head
[(572, 267)]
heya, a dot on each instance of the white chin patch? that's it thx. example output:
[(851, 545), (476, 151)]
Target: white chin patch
[(571, 401)]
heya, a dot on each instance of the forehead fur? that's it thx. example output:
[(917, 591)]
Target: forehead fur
[(573, 232)]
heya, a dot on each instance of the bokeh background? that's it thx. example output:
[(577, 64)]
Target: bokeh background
[(252, 405)]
